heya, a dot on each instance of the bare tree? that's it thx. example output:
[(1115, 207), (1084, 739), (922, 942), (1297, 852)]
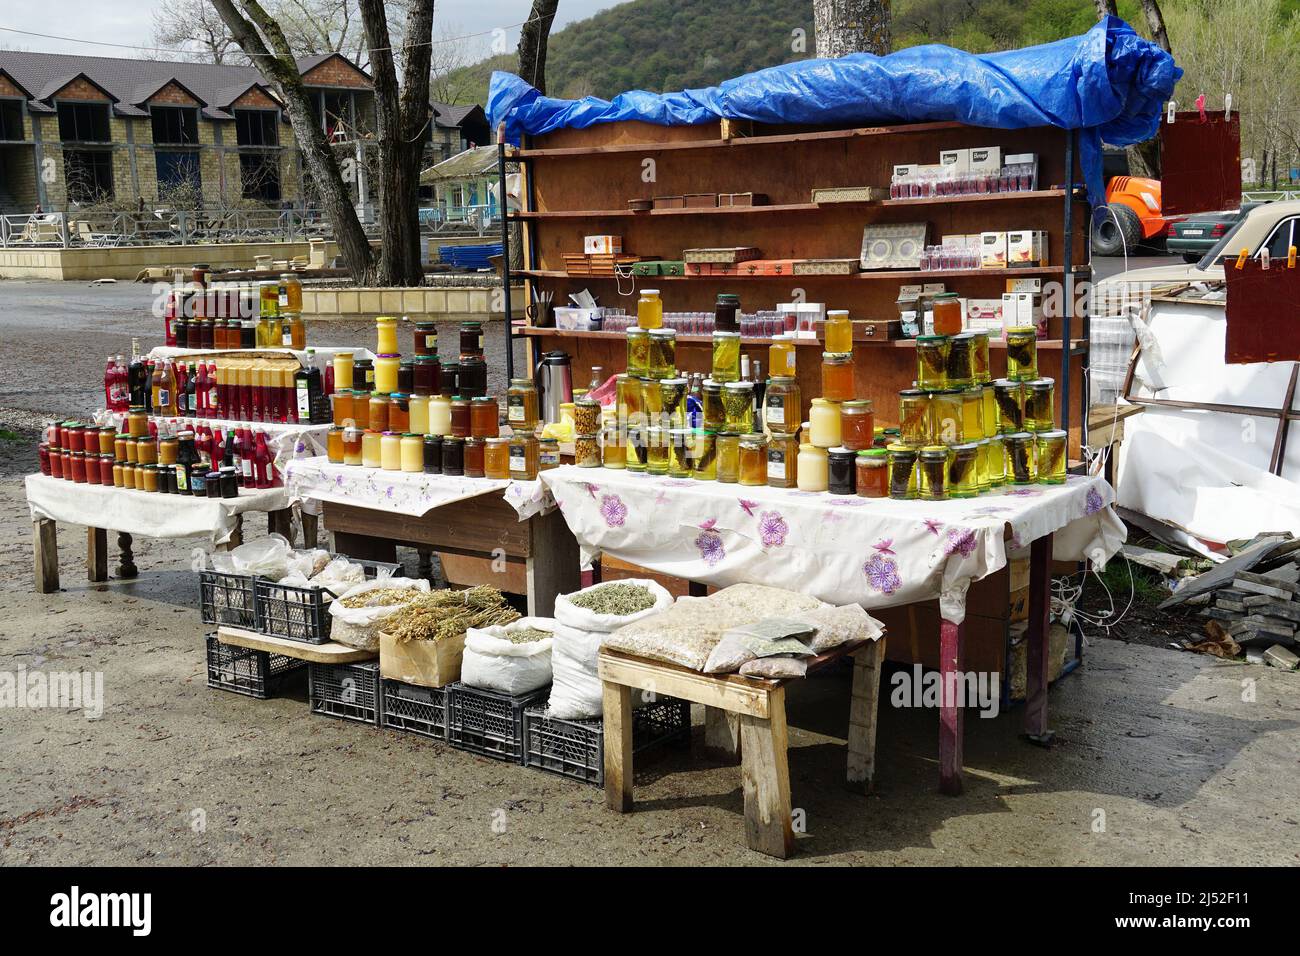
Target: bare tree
[(1156, 24), (533, 37), (1106, 8), (260, 37), (851, 26), (449, 82), (194, 29)]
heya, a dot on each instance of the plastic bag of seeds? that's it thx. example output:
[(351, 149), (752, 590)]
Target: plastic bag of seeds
[(359, 612), (840, 625), (775, 668), (511, 659), (607, 607), (770, 637)]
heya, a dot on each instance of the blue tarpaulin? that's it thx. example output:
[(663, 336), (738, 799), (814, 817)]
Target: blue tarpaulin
[(1108, 83)]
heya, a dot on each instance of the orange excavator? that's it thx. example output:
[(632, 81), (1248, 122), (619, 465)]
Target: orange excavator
[(1135, 216)]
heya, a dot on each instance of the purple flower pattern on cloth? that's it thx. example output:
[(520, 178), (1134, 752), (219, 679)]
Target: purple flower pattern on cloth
[(881, 569), (772, 529), (1025, 492), (960, 541), (1093, 504), (932, 525), (613, 510), (709, 543)]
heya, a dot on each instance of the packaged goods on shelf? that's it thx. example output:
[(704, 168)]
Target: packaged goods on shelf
[(596, 245), (1026, 248), (993, 250)]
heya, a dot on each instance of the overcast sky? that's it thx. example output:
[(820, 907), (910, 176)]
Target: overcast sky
[(131, 22)]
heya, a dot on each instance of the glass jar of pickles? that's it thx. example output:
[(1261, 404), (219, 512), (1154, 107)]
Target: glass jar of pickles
[(738, 406), (704, 455), (837, 376), (524, 456), (638, 350), (914, 416), (1050, 451), (871, 478), (712, 412), (586, 451), (783, 403), (656, 444), (782, 460), (727, 446), (672, 402), (663, 353), (726, 357), (1009, 397), (521, 403), (613, 447), (932, 473), (902, 471), (1040, 405), (857, 424), (963, 470), (496, 458), (753, 459), (1021, 458), (1022, 353), (931, 362), (586, 416)]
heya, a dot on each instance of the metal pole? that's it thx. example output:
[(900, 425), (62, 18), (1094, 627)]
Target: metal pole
[(1067, 257), (505, 251)]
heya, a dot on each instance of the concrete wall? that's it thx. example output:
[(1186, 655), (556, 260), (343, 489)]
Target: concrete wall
[(127, 262), (479, 302)]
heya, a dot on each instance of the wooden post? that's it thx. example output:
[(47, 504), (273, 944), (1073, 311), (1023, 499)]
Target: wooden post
[(1036, 656), (618, 746), (310, 529), (951, 713), (765, 778), (696, 589), (424, 567), (125, 559), (721, 735), (45, 555), (96, 554), (280, 522), (864, 709), (553, 566), (236, 535)]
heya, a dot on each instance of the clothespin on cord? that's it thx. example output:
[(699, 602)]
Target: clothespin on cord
[(1227, 107), (1264, 259), (1200, 108), (1241, 259), (1169, 114), (1290, 258)]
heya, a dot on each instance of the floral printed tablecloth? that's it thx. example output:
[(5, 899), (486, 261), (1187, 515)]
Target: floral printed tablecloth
[(408, 493), (840, 548)]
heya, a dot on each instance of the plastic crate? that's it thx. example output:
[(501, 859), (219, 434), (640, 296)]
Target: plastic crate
[(485, 722), (416, 709), (301, 613), (576, 748), (227, 599), (347, 691), (241, 670)]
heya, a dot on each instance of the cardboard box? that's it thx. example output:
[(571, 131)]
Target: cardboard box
[(596, 245), (1025, 285), (701, 200), (993, 250), (985, 159), (984, 313), (959, 159), (1023, 308), (906, 169), (424, 663), (1026, 249)]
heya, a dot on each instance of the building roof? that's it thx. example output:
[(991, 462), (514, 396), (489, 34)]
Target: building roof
[(124, 80), (450, 116), (467, 165)]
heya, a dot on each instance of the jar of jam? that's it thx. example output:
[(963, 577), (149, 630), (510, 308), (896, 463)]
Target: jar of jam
[(472, 376), (727, 446), (399, 412), (128, 474), (167, 449), (902, 471), (427, 373), (471, 338), (119, 446), (433, 454), (947, 313), (484, 417), (426, 339), (334, 445), (725, 312), (753, 459), (783, 460), (150, 475), (496, 458), (932, 362), (871, 478), (146, 451), (586, 451), (117, 474), (92, 467), (837, 376), (453, 455), (524, 456), (474, 455), (548, 454), (363, 375), (406, 376), (932, 473), (377, 419), (638, 350), (460, 417), (105, 469), (106, 436), (448, 378), (586, 416), (521, 404)]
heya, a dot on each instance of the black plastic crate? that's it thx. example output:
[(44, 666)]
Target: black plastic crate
[(416, 709), (485, 722), (242, 670), (349, 691), (227, 599), (576, 748), (301, 613)]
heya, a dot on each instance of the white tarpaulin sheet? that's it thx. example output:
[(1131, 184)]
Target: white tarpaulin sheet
[(840, 548), (150, 514), (1206, 472)]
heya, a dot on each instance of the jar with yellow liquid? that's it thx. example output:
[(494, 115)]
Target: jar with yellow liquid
[(649, 310)]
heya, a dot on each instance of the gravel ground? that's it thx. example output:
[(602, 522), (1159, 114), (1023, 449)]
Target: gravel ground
[(1185, 769)]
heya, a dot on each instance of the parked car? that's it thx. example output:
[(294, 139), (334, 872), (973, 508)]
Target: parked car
[(1196, 235)]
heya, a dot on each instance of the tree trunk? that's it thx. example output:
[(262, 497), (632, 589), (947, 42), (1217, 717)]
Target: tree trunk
[(254, 34), (1106, 8), (851, 26), (402, 116), (533, 37), (1156, 24)]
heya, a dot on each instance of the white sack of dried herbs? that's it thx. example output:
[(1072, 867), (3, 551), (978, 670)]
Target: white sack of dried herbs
[(608, 606)]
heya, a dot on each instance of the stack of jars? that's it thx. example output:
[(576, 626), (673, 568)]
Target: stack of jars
[(279, 314), (1035, 449)]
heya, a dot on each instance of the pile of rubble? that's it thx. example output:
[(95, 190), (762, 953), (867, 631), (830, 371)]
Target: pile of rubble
[(1252, 601)]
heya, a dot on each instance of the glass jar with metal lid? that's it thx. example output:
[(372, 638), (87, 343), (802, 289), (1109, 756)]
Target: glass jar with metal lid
[(1021, 458), (871, 478), (631, 409), (636, 454), (837, 376), (680, 443), (932, 473), (726, 356), (782, 459), (1009, 398), (753, 459), (782, 403), (484, 417), (727, 448), (857, 424), (521, 403), (672, 402), (656, 450), (738, 406), (914, 416), (471, 339), (713, 413), (638, 350), (1050, 448), (704, 455), (932, 362), (958, 366), (1022, 352), (963, 470), (471, 377), (586, 416), (902, 471), (1040, 405), (946, 423), (663, 353)]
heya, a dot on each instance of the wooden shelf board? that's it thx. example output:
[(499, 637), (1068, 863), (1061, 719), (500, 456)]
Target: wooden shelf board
[(1045, 344), (879, 276), (328, 653)]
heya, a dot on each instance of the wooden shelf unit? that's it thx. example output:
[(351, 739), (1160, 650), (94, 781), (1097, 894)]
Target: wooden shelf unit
[(577, 182)]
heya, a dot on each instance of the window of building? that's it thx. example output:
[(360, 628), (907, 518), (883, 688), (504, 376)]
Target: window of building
[(338, 115), (83, 122), (259, 176), (11, 119), (175, 125), (177, 168), (257, 128), (89, 173)]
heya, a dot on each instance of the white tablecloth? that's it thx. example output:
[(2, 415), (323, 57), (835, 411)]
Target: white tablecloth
[(839, 548), (408, 493), (151, 514)]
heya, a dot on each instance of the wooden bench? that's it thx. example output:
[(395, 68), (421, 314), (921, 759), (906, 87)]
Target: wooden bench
[(745, 714)]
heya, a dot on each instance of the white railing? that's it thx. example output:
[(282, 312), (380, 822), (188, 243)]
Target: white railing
[(160, 227)]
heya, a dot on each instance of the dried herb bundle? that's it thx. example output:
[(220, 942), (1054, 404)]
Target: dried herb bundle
[(381, 597), (442, 614), (615, 598), (527, 635)]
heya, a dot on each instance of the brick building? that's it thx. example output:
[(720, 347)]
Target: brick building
[(81, 129)]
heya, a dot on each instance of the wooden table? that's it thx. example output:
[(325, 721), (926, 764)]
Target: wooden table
[(745, 714), (480, 540)]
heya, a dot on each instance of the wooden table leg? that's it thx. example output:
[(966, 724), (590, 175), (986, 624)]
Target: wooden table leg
[(553, 564), (951, 712), (618, 745), (125, 559), (424, 565), (236, 535), (864, 708), (310, 529), (96, 554), (721, 735), (1036, 656), (696, 589), (765, 778), (280, 522), (45, 555)]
